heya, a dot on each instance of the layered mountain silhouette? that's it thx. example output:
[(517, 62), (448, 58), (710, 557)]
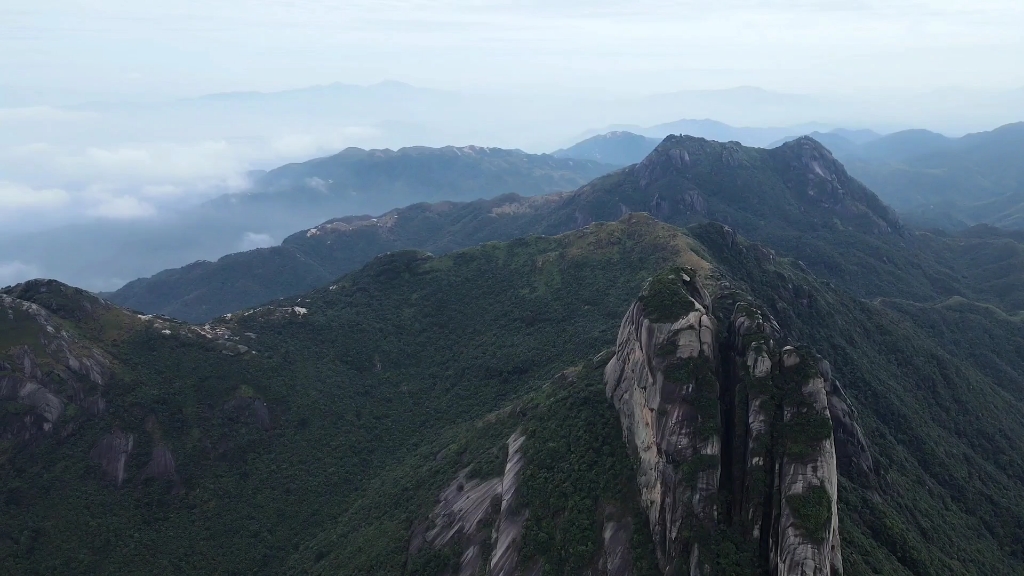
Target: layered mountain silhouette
[(796, 197), (104, 255), (618, 148), (940, 181)]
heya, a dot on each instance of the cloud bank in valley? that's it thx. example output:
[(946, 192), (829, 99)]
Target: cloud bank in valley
[(47, 183)]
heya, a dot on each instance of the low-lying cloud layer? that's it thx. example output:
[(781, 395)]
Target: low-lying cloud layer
[(55, 172)]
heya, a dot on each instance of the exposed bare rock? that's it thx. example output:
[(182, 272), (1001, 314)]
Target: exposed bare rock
[(852, 450), (468, 506), (261, 414), (508, 532), (111, 453), (808, 481), (47, 405), (691, 397), (661, 381), (254, 409), (809, 167), (753, 335), (462, 510), (616, 534), (22, 384), (54, 369), (94, 406), (161, 467)]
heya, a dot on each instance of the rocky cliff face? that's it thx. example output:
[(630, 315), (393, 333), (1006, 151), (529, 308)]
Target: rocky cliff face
[(58, 364), (465, 510), (732, 430), (52, 372)]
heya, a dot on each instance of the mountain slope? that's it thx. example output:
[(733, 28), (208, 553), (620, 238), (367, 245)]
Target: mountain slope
[(616, 148), (948, 182), (374, 394), (104, 255), (316, 434), (797, 196), (311, 258), (356, 180)]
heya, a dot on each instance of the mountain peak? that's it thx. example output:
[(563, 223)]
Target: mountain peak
[(64, 301), (810, 169), (683, 154)]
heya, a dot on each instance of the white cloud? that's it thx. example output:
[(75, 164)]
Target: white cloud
[(253, 240), (12, 272), (139, 179), (157, 162), (316, 184), (15, 197), (120, 208)]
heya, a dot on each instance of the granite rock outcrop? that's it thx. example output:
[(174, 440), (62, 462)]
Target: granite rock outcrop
[(733, 430)]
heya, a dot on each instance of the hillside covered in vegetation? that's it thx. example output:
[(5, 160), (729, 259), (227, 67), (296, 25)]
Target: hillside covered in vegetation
[(322, 433), (796, 198)]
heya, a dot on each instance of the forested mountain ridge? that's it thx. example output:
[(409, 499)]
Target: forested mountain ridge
[(797, 198), (932, 179), (356, 181), (265, 207), (944, 182), (256, 443)]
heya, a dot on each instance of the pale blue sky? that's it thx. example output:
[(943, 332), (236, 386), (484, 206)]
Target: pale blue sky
[(185, 47)]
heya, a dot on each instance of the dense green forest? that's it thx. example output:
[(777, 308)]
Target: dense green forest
[(454, 338), (415, 367)]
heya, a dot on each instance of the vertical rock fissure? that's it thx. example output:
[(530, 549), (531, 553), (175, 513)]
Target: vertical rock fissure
[(772, 501), (731, 480)]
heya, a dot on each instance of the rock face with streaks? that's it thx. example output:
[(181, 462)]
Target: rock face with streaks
[(111, 453), (662, 382), (732, 429), (468, 507), (508, 531), (52, 370)]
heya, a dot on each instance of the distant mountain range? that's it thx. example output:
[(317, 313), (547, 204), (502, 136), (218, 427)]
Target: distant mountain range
[(104, 255), (357, 181), (932, 179), (712, 130), (687, 191), (767, 197), (630, 144), (940, 181), (618, 148)]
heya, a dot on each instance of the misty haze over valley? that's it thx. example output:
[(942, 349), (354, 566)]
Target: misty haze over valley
[(107, 173)]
